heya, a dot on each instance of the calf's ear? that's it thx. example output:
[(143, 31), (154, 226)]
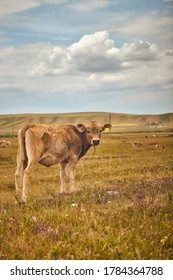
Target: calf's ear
[(81, 127), (107, 125)]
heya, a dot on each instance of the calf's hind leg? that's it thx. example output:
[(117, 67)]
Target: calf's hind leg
[(21, 165), (19, 180), (26, 180)]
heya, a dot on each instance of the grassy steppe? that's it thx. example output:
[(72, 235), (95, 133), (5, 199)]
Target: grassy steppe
[(123, 208)]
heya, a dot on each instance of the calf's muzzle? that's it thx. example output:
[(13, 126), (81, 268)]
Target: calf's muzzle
[(95, 141)]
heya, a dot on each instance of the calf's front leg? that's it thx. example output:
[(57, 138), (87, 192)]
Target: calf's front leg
[(72, 165), (63, 176)]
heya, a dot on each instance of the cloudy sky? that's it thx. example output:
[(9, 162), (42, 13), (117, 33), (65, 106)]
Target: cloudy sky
[(85, 55)]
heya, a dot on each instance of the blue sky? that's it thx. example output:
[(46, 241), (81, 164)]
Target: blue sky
[(84, 55)]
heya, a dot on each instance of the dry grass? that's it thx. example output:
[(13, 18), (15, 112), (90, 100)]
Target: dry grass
[(123, 208)]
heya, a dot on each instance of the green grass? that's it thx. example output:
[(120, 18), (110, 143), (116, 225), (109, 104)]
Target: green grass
[(123, 208)]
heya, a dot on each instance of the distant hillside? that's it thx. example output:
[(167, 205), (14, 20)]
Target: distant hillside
[(10, 124)]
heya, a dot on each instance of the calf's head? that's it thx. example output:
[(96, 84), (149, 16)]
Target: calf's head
[(93, 131)]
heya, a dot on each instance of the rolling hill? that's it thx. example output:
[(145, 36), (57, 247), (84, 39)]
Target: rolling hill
[(10, 124)]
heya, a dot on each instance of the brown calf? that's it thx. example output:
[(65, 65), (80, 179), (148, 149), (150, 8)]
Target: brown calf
[(52, 144)]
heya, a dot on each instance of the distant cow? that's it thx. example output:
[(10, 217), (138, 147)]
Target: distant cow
[(152, 145), (4, 143), (136, 144), (52, 144)]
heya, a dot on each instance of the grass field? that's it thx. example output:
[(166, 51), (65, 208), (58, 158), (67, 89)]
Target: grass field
[(123, 208)]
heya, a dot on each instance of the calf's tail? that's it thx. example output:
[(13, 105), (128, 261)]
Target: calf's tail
[(22, 158), (22, 161)]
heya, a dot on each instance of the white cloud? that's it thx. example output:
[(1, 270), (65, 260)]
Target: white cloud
[(93, 53), (15, 62), (155, 26), (145, 25), (9, 7), (93, 64), (88, 5), (96, 43), (139, 50)]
